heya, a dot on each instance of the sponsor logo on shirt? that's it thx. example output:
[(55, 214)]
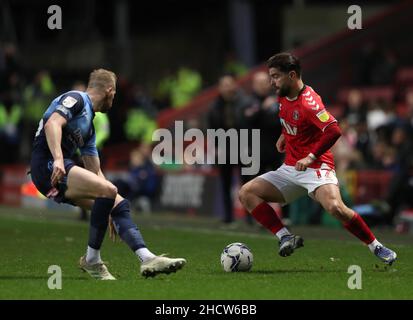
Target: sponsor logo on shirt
[(289, 128), (323, 116)]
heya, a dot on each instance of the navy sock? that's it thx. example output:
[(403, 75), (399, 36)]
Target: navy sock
[(99, 220), (127, 230)]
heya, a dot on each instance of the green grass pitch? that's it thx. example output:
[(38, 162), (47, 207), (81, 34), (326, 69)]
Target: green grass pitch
[(29, 244)]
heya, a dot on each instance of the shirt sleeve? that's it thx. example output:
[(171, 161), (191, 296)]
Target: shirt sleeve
[(316, 111), (89, 148), (327, 140), (70, 105)]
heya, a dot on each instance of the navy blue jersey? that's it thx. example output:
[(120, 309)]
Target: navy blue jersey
[(78, 133)]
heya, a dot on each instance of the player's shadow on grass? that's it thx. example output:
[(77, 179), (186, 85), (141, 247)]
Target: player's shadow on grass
[(28, 277)]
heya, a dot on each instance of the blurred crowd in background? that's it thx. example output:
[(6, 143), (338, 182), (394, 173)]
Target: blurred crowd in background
[(365, 80), (377, 127)]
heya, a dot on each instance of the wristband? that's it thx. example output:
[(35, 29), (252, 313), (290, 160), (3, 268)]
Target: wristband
[(312, 156)]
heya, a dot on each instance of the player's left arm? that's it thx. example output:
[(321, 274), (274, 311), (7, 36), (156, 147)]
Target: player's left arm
[(90, 156), (320, 117)]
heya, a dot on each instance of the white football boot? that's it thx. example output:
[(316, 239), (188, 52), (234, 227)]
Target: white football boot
[(97, 271), (161, 264)]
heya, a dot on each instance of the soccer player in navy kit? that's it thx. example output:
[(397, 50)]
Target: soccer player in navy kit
[(67, 125), (309, 131)]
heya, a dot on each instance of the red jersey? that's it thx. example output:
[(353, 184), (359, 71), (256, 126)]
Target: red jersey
[(303, 121)]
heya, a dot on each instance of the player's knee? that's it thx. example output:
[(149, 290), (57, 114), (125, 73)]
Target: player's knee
[(245, 193), (242, 194), (336, 208), (108, 190), (113, 190)]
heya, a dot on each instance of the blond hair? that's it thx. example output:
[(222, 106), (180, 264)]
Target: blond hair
[(101, 78)]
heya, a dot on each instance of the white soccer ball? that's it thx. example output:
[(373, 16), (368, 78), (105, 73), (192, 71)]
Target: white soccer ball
[(236, 257)]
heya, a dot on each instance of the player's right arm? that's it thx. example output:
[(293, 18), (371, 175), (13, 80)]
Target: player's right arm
[(53, 131), (69, 106), (281, 144)]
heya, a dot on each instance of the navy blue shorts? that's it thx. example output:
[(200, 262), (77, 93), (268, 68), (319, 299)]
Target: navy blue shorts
[(41, 173)]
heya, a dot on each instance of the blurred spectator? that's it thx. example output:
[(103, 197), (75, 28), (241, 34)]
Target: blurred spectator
[(139, 126), (141, 99), (179, 89), (345, 152), (366, 60), (262, 114), (10, 116), (408, 106), (227, 112), (234, 66), (162, 92), (9, 65), (188, 84), (37, 96), (383, 157), (355, 132), (118, 115), (11, 111), (102, 128), (363, 143), (203, 159), (409, 101), (385, 70), (140, 121), (141, 184), (380, 113), (400, 187), (374, 65), (355, 110)]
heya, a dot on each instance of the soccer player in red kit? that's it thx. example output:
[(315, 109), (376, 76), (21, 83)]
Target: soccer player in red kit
[(309, 131)]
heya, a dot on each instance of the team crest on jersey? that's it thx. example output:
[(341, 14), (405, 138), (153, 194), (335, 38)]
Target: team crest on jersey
[(296, 115), (323, 116), (69, 102)]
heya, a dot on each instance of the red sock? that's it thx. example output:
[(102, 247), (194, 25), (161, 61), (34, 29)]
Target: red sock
[(360, 229), (266, 215)]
